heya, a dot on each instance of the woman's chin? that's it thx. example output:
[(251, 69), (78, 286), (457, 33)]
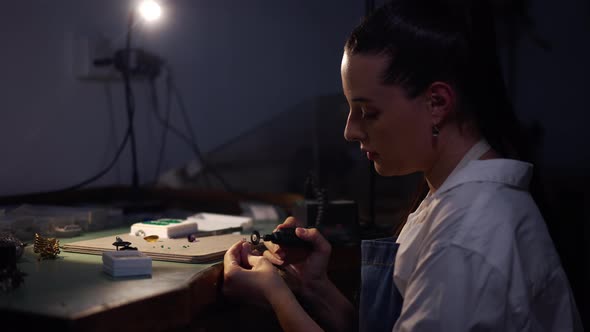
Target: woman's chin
[(388, 171), (383, 171)]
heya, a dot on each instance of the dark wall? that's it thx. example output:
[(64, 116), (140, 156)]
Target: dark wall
[(235, 64)]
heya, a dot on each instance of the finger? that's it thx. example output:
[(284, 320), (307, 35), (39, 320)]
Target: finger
[(246, 248), (261, 263), (254, 260), (273, 258), (232, 256), (289, 222), (314, 236), (274, 248)]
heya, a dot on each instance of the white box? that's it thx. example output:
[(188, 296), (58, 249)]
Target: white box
[(164, 228), (216, 221), (124, 263)]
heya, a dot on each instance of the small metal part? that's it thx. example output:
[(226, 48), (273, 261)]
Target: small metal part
[(124, 244), (191, 237), (151, 238), (120, 243), (140, 232), (255, 238), (46, 247)]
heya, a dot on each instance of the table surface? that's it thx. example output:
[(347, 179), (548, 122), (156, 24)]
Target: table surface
[(73, 286)]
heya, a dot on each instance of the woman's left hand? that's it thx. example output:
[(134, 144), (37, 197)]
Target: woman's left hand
[(248, 276)]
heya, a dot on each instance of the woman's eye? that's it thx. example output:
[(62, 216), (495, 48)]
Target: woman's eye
[(368, 112), (369, 115)]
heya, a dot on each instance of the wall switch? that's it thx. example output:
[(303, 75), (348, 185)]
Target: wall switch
[(87, 48)]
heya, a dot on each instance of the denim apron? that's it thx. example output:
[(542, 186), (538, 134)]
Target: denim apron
[(380, 301)]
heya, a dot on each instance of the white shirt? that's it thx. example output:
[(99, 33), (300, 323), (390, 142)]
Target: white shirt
[(476, 256)]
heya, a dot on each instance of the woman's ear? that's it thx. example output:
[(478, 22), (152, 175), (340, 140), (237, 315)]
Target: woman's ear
[(442, 100)]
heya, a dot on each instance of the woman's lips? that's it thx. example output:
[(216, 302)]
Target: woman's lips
[(372, 155)]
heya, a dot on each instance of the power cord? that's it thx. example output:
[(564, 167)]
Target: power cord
[(121, 61), (106, 169), (164, 121), (130, 100), (314, 191), (207, 168), (130, 105), (190, 141)]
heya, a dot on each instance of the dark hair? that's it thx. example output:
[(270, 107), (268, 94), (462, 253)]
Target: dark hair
[(452, 41), (446, 40)]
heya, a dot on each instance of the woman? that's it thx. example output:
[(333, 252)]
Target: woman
[(426, 95)]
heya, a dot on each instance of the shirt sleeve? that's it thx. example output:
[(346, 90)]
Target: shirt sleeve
[(454, 289)]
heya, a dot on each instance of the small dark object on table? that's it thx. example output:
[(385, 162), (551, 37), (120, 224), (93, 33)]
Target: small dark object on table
[(125, 244)]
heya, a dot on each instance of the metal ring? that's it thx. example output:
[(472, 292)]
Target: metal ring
[(255, 237), (191, 237)]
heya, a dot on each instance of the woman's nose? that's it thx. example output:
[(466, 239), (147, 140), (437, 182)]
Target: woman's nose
[(352, 130)]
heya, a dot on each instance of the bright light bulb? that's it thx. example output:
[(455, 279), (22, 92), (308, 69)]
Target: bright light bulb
[(150, 10)]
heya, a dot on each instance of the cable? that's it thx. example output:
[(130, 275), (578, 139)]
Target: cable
[(122, 62), (188, 126), (130, 101), (312, 188), (187, 122), (113, 127), (106, 169), (165, 122), (191, 142), (129, 134)]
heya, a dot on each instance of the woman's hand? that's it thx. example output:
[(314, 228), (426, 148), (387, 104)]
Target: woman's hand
[(255, 279), (303, 267), (250, 277), (305, 272)]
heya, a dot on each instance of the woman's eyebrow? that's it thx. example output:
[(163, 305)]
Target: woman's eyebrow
[(361, 100)]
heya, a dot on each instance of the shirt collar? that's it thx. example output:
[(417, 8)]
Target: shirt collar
[(510, 172)]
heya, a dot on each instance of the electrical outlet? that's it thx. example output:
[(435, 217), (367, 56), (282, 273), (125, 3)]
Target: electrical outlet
[(87, 48)]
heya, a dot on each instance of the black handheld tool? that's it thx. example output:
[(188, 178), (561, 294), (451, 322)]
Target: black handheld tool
[(285, 237)]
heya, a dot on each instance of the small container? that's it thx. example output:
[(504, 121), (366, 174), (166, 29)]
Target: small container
[(126, 263)]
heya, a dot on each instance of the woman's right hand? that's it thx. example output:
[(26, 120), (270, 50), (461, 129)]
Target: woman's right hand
[(304, 266), (249, 276)]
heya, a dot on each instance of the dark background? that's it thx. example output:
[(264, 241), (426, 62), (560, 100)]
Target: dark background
[(260, 84)]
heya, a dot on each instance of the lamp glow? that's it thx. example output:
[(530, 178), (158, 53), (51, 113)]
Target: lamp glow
[(150, 10)]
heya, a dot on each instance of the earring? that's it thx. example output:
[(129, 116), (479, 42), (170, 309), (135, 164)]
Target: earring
[(435, 131)]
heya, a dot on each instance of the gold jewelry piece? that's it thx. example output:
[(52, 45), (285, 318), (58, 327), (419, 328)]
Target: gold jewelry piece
[(46, 247), (151, 238)]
